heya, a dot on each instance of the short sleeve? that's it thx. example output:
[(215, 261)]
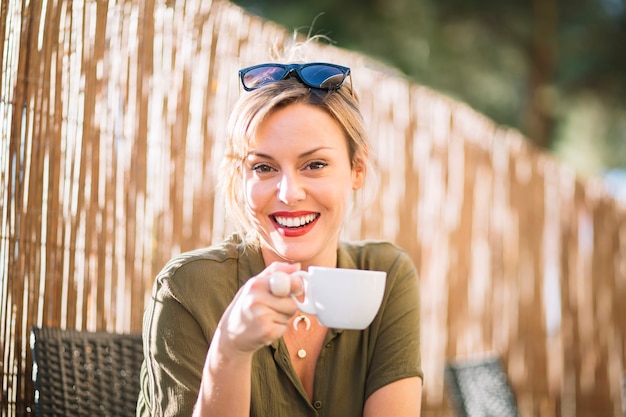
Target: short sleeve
[(396, 349), (180, 319)]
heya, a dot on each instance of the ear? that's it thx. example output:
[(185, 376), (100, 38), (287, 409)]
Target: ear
[(359, 170)]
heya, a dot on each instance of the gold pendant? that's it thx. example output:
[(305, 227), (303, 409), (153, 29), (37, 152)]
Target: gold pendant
[(301, 353)]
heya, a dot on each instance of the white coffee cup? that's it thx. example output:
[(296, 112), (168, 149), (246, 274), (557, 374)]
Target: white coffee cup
[(342, 298)]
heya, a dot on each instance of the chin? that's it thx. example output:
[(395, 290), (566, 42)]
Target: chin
[(290, 253)]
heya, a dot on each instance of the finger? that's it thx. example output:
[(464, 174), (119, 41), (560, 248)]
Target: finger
[(280, 284), (297, 286)]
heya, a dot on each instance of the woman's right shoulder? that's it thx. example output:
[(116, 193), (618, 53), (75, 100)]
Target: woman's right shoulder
[(218, 253), (211, 265)]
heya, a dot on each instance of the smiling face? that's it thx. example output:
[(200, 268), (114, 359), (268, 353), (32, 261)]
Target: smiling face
[(298, 182)]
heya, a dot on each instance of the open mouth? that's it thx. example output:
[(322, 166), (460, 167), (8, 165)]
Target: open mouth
[(297, 221)]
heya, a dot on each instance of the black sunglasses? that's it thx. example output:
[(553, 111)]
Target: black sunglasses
[(314, 75)]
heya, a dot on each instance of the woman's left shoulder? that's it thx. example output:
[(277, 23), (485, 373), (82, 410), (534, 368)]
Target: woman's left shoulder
[(374, 254)]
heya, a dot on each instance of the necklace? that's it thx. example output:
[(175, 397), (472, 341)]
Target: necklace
[(307, 325)]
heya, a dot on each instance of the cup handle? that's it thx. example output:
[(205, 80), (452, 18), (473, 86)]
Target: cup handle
[(307, 305)]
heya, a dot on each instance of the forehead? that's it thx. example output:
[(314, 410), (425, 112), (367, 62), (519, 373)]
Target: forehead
[(296, 123)]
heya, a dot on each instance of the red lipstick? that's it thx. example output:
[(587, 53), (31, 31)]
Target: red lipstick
[(295, 223)]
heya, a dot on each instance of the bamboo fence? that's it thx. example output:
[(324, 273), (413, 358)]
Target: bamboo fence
[(112, 121)]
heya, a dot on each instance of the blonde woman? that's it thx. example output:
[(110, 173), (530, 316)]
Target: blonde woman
[(221, 337)]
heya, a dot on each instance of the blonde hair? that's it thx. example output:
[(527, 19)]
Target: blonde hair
[(253, 108)]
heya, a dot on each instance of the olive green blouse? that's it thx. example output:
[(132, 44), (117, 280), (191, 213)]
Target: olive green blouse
[(193, 290)]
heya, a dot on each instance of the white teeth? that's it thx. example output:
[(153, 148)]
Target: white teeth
[(295, 221)]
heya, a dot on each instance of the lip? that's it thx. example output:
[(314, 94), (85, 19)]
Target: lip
[(294, 231)]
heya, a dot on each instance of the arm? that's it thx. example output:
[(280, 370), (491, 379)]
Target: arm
[(254, 319), (395, 369), (225, 387), (402, 398)]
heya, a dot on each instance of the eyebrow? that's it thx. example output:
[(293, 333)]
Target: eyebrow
[(302, 155)]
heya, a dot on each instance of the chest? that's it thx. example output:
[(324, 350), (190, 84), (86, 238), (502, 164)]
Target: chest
[(331, 382), (304, 349)]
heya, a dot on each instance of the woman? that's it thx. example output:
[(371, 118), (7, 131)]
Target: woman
[(222, 334)]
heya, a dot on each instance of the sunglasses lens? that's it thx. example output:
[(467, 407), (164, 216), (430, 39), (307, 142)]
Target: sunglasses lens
[(315, 75), (323, 76), (257, 77)]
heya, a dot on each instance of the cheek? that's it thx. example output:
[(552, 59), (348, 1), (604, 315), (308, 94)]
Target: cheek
[(257, 194), (339, 192)]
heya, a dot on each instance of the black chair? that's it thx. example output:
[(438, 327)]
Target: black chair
[(79, 373), (480, 388)]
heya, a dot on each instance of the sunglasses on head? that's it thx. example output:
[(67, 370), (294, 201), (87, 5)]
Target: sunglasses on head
[(319, 75)]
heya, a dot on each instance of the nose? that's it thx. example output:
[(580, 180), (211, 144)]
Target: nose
[(290, 189)]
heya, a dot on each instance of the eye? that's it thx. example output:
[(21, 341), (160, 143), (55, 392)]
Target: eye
[(262, 168), (316, 165)]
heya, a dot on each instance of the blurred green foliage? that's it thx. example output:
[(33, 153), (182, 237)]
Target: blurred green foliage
[(555, 70)]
